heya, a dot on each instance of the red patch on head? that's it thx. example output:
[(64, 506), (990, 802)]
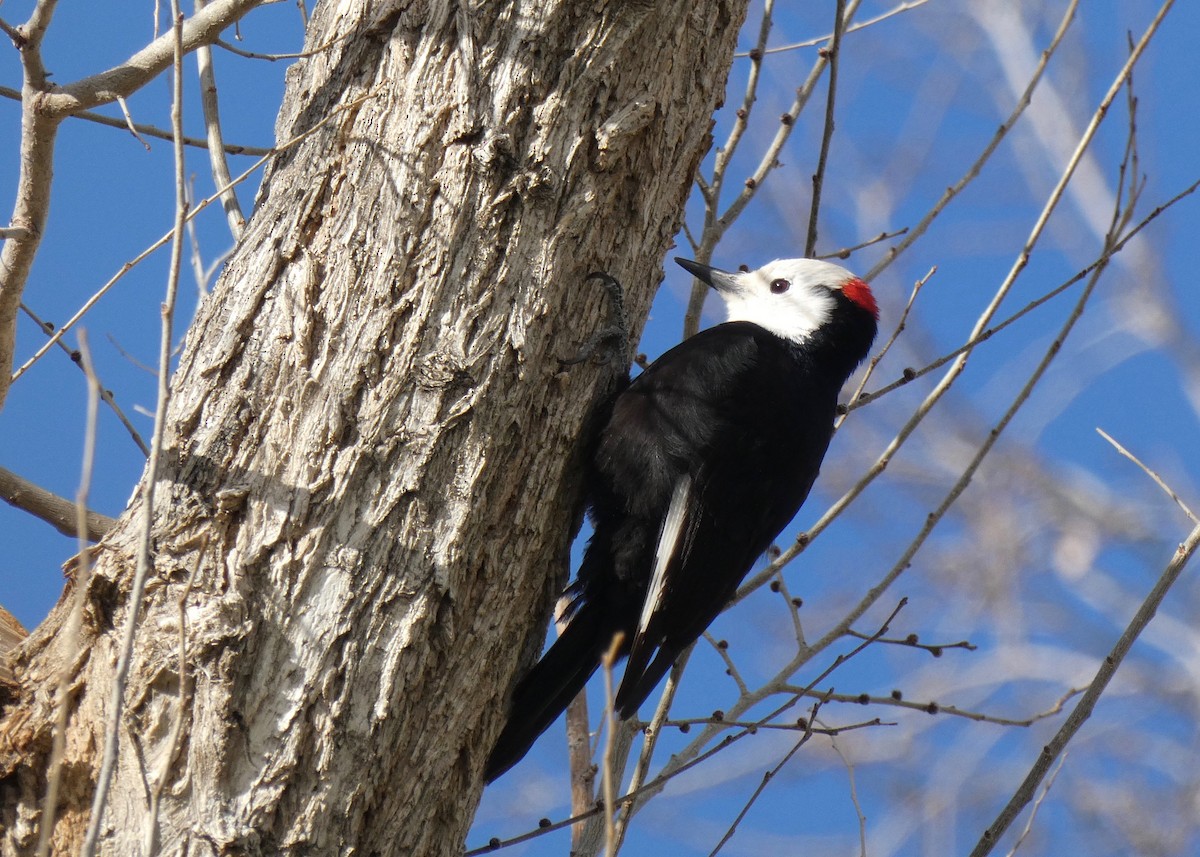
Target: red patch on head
[(860, 293)]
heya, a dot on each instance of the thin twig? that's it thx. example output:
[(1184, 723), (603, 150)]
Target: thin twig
[(297, 55), (818, 179), (129, 123), (1083, 710), (753, 726), (858, 810), (75, 620), (1038, 805), (1158, 480), (105, 394), (145, 130), (199, 272), (610, 718), (766, 779), (810, 43), (847, 252), (722, 649), (897, 701), (113, 725), (212, 127), (960, 362), (912, 642), (793, 604)]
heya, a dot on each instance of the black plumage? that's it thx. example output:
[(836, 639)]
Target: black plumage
[(703, 460)]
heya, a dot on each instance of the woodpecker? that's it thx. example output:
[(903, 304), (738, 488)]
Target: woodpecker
[(700, 463)]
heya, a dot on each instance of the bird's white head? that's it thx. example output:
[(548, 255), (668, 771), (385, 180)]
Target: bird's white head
[(792, 298)]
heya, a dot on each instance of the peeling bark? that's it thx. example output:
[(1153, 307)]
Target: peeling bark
[(371, 429)]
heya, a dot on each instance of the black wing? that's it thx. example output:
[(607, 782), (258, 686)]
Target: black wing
[(720, 442)]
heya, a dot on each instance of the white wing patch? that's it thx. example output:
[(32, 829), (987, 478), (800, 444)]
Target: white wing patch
[(668, 547)]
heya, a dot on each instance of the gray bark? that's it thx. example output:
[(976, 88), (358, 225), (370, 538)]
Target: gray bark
[(371, 432)]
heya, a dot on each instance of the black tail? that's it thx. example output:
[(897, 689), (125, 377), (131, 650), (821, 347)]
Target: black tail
[(639, 683), (548, 688)]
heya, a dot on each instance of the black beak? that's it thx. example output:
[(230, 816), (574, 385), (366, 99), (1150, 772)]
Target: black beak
[(722, 281)]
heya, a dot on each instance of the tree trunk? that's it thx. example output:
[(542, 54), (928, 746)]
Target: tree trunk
[(371, 434)]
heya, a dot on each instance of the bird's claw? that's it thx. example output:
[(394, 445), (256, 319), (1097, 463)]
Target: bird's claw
[(611, 340)]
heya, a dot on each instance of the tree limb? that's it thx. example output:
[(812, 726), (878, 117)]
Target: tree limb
[(1082, 711), (56, 511)]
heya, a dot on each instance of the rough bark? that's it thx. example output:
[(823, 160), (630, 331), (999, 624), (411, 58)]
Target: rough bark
[(370, 430)]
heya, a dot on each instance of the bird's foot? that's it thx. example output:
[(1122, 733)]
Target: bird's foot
[(612, 339)]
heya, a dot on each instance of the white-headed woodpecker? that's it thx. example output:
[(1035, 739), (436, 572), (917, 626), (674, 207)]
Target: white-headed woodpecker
[(701, 462)]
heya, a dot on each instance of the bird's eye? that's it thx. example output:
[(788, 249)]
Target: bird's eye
[(780, 286)]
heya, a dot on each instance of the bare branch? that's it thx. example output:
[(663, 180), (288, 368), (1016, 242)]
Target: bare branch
[(606, 765), (116, 703), (846, 252), (898, 701), (105, 394), (766, 779), (29, 214), (579, 749), (145, 130), (653, 731), (216, 145), (254, 55), (862, 817), (1158, 480), (129, 122), (862, 25), (123, 80), (1038, 805), (818, 179), (1083, 710), (721, 647), (29, 38)]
